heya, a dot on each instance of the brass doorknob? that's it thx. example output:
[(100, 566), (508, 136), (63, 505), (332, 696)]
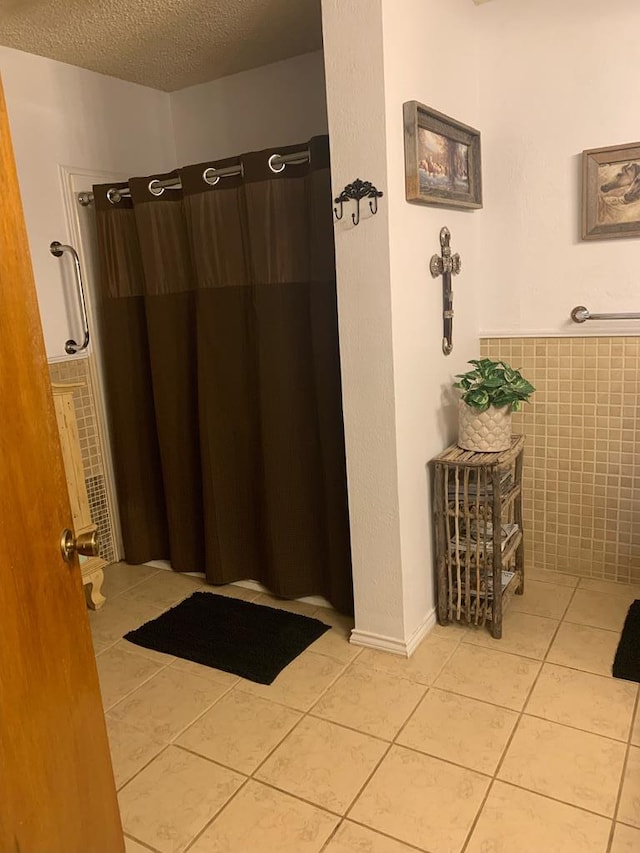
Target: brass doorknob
[(86, 544)]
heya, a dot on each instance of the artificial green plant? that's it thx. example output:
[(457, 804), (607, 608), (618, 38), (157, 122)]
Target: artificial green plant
[(493, 383)]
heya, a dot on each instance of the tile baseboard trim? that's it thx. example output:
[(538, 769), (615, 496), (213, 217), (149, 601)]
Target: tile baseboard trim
[(626, 331), (403, 648)]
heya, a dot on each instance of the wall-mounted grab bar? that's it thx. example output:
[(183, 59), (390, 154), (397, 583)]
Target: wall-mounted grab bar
[(580, 314), (57, 250)]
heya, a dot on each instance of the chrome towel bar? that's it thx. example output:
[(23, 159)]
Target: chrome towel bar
[(57, 250), (580, 314)]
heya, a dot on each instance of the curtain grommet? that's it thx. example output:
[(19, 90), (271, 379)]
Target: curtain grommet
[(274, 166), (155, 188)]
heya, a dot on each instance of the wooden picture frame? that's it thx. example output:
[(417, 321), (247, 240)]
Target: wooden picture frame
[(442, 159), (611, 192)]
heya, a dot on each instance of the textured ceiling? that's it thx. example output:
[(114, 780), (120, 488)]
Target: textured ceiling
[(166, 44)]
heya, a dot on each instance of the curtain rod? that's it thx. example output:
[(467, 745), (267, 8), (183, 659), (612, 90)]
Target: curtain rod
[(211, 176)]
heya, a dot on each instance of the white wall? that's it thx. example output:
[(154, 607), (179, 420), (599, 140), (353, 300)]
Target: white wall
[(556, 78), (353, 42), (63, 115), (278, 104), (419, 64), (396, 380)]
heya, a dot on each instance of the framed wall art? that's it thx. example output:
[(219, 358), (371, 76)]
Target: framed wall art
[(442, 159), (611, 192)]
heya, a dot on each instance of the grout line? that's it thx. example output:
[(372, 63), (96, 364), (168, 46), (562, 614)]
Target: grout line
[(344, 667), (332, 835), (409, 845), (616, 809), (141, 684), (216, 815), (250, 777), (127, 589), (141, 843), (511, 737)]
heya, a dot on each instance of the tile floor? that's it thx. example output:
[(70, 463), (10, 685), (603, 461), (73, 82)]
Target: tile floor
[(471, 746)]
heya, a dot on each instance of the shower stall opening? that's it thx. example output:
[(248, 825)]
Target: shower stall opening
[(216, 305)]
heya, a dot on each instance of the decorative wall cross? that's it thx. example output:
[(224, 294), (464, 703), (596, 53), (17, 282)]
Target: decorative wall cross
[(446, 265)]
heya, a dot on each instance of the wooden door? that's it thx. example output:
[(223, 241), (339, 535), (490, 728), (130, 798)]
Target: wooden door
[(57, 793)]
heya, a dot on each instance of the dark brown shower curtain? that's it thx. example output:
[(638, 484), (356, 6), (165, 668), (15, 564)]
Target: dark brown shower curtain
[(220, 348)]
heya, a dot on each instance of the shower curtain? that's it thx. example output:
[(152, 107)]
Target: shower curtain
[(220, 351)]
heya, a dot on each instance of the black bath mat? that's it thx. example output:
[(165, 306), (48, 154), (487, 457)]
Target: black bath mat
[(246, 639), (627, 661)]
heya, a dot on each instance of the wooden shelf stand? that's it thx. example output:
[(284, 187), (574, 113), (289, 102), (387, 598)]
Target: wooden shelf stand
[(479, 535)]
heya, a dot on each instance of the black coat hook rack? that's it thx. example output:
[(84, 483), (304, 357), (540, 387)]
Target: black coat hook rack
[(355, 192)]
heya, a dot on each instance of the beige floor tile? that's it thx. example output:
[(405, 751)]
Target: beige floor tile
[(173, 799), (576, 767), (452, 631), (583, 647), (117, 617), (343, 624), (598, 609), (542, 599), (301, 683), (286, 604), (164, 589), (373, 702), (421, 800), (150, 654), (489, 675), (551, 577), (232, 591), (323, 763), (459, 729), (227, 679), (240, 730), (120, 577), (625, 839), (595, 703), (423, 666), (523, 634), (515, 820), (168, 703), (352, 838), (261, 820), (130, 749), (630, 591), (99, 645), (629, 810), (131, 846), (120, 671), (335, 643)]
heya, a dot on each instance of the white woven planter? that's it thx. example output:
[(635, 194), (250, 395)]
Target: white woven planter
[(487, 432)]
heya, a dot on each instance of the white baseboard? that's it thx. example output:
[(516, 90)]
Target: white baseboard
[(404, 648)]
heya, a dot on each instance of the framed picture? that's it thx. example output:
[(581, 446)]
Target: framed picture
[(441, 159), (611, 192)]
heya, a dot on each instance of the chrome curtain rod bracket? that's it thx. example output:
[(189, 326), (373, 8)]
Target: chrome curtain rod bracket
[(57, 249), (580, 314)]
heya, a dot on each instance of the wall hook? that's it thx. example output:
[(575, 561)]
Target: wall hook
[(355, 217), (355, 192)]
